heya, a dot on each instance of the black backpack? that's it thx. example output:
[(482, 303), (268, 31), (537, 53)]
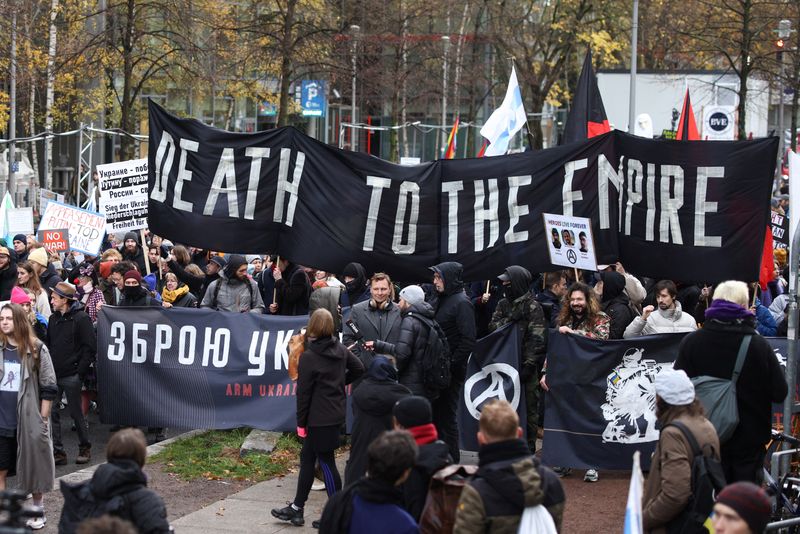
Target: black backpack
[(80, 504), (707, 480), (435, 358)]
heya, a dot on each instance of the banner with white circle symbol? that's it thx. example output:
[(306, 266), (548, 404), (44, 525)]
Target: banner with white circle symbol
[(502, 380)]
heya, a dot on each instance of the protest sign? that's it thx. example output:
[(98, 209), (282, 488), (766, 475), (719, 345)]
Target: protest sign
[(19, 221), (123, 195), (54, 240), (780, 230), (570, 242), (704, 208), (86, 228), (46, 196)]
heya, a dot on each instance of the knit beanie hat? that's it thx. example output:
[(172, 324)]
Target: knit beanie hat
[(219, 260), (133, 274), (38, 255), (413, 411), (18, 296), (412, 294), (750, 502), (20, 237), (131, 235)]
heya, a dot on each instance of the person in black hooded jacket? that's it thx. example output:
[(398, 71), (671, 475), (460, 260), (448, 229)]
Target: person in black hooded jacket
[(615, 303), (120, 487), (292, 289), (373, 401), (355, 282), (456, 317), (323, 371)]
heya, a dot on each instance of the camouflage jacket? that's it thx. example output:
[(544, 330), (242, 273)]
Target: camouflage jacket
[(598, 330), (528, 314)]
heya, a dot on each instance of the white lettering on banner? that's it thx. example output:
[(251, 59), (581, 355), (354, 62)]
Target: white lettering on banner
[(406, 189), (257, 154), (515, 211), (490, 214), (186, 344), (286, 187), (184, 175), (671, 204), (163, 341), (634, 191), (568, 195), (702, 207), (377, 184), (166, 145), (217, 350), (605, 174), (139, 344), (258, 354), (452, 189), (651, 202), (226, 171), (282, 349), (118, 335)]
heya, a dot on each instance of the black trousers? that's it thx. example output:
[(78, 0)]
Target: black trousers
[(320, 444)]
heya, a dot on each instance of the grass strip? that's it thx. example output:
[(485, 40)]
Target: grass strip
[(214, 455)]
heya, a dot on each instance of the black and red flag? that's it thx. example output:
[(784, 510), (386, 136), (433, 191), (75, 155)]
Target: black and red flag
[(587, 118), (687, 127)]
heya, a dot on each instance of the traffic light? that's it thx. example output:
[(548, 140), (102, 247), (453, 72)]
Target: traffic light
[(780, 44)]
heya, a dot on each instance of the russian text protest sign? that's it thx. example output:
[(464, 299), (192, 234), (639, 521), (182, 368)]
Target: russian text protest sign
[(54, 240), (702, 206), (570, 242), (123, 194), (86, 228)]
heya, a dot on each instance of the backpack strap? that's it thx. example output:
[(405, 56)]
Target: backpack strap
[(740, 358), (216, 293), (696, 451)]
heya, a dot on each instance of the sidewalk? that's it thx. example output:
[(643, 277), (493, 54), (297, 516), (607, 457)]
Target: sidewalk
[(249, 510)]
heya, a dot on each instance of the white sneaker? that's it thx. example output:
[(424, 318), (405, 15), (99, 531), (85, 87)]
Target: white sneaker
[(318, 485), (37, 523), (591, 476)]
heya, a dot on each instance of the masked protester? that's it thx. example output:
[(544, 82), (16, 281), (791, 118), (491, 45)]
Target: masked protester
[(134, 293)]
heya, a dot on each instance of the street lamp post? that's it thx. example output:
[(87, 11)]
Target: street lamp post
[(446, 42), (354, 30), (634, 46), (784, 31)]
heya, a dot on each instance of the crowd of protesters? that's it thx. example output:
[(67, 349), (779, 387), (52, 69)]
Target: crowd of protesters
[(385, 336)]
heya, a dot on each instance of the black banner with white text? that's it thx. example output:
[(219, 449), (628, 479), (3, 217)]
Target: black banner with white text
[(691, 211)]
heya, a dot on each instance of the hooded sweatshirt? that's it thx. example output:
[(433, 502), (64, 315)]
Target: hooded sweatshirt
[(373, 401), (356, 290), (228, 293), (615, 303), (455, 314), (323, 371)]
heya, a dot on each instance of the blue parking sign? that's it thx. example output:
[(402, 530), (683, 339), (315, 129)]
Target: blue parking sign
[(312, 98)]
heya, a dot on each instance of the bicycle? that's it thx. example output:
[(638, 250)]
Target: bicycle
[(786, 489)]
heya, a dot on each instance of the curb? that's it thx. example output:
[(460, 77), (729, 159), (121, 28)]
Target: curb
[(86, 474)]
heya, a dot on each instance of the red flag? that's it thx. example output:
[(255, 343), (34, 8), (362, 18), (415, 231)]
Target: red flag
[(483, 149), (587, 118), (687, 127), (767, 271)]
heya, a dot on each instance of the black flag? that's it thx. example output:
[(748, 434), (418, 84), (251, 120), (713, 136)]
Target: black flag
[(587, 118)]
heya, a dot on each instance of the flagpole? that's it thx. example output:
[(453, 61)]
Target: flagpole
[(527, 124), (634, 46)]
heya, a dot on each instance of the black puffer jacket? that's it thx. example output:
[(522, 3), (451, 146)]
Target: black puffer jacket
[(615, 304), (432, 457), (142, 506), (455, 315), (324, 370), (72, 341), (410, 348), (49, 278), (373, 401)]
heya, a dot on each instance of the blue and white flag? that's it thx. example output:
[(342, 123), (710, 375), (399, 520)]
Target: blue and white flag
[(506, 120), (633, 510)]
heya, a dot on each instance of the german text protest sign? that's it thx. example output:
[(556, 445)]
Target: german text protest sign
[(86, 228), (54, 240), (123, 194)]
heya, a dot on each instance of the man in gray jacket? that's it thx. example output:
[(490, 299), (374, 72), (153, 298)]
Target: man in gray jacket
[(234, 291), (377, 319), (667, 319)]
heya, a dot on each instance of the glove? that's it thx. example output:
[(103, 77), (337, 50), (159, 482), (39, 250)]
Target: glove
[(301, 431)]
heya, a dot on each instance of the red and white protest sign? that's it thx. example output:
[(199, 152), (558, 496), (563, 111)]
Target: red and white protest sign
[(54, 240)]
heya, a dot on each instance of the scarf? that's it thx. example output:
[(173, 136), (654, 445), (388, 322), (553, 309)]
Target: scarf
[(424, 434), (172, 296), (726, 311)]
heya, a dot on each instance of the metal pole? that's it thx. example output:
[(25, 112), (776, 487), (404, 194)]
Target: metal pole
[(446, 41), (791, 336), (354, 29), (781, 134), (12, 120), (634, 46)]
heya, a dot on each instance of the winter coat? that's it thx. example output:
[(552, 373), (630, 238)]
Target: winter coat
[(484, 310), (136, 257), (521, 308), (373, 401), (669, 483), (186, 301), (431, 457), (662, 322), (616, 304), (142, 299), (195, 283), (35, 466), (233, 296), (292, 291), (712, 351), (765, 322), (356, 290), (323, 371), (455, 314), (266, 286), (49, 278), (72, 341), (548, 299), (328, 298), (42, 304), (595, 330), (410, 348), (8, 279), (508, 480), (143, 507), (365, 507), (374, 325)]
